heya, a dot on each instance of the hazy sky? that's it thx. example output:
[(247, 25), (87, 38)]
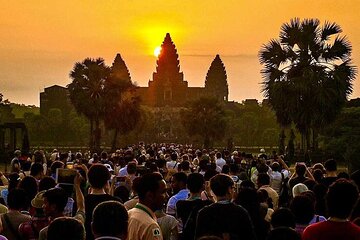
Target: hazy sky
[(41, 40)]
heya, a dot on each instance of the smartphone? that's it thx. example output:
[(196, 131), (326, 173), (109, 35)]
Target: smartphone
[(65, 176)]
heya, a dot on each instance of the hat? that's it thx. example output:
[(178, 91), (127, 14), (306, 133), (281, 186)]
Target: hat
[(243, 161), (108, 166), (298, 189), (38, 200), (262, 150)]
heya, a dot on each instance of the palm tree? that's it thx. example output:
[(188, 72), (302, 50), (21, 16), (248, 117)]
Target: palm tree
[(122, 104), (87, 94), (307, 74)]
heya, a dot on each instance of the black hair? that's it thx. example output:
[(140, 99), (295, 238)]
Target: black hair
[(341, 198), (330, 165), (300, 169), (98, 175), (46, 183), (58, 197), (303, 209), (283, 217), (17, 199), (195, 182), (180, 177), (283, 233), (122, 193), (131, 168), (30, 186), (36, 168), (263, 179), (110, 218), (66, 228), (220, 183), (148, 183)]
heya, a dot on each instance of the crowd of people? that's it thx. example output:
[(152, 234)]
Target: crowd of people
[(176, 192)]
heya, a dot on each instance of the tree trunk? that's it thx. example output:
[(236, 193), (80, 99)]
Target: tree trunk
[(114, 141), (97, 135), (91, 138)]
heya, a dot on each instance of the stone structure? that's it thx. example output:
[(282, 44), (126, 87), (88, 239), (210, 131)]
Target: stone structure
[(55, 97), (168, 87)]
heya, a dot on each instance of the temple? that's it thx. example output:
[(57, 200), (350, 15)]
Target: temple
[(168, 87)]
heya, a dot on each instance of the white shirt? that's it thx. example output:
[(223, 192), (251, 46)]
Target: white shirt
[(220, 162)]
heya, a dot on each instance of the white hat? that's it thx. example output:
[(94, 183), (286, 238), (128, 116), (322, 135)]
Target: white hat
[(108, 166)]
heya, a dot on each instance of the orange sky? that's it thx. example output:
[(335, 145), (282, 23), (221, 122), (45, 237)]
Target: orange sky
[(41, 40)]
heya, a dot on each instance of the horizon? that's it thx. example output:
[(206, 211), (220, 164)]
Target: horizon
[(40, 46)]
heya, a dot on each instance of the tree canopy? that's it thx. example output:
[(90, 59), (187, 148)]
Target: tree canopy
[(307, 74)]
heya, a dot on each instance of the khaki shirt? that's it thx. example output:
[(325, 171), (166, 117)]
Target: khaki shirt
[(143, 225)]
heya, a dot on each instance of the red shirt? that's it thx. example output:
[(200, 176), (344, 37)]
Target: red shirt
[(30, 230), (330, 230)]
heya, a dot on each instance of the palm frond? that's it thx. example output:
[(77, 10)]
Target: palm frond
[(340, 50), (290, 32), (329, 29), (272, 53)]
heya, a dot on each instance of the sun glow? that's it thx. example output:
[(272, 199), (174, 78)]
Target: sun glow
[(157, 51)]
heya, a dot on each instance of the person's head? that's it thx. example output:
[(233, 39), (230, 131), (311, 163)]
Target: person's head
[(30, 186), (55, 165), (195, 183), (152, 190), (341, 198), (283, 217), (298, 189), (98, 176), (17, 153), (283, 233), (104, 155), (37, 170), (185, 165), (173, 156), (303, 209), (110, 218), (330, 165), (275, 166), (300, 169), (55, 200), (222, 186), (178, 181), (46, 183), (122, 192), (17, 199), (234, 169), (131, 168), (66, 228), (263, 179), (247, 184), (218, 155), (248, 198), (318, 175)]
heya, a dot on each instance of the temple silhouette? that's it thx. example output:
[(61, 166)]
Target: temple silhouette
[(167, 87)]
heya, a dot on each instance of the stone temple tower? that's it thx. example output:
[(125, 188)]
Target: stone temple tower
[(168, 87), (216, 80)]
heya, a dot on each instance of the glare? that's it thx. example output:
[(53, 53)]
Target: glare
[(157, 51)]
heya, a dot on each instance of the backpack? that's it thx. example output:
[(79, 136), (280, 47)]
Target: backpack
[(284, 195)]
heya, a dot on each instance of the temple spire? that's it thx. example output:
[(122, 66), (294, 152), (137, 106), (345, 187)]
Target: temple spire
[(216, 80)]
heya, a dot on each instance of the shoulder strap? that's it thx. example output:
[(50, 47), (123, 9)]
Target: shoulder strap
[(175, 165), (11, 227)]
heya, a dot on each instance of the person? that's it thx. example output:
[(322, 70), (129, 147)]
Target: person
[(168, 225), (340, 199), (66, 228), (15, 162), (142, 220), (248, 198), (279, 174), (178, 185), (109, 221), (263, 182), (220, 162), (283, 217), (283, 233), (331, 172), (98, 177), (31, 229), (55, 200), (224, 218), (300, 175), (10, 222), (187, 210)]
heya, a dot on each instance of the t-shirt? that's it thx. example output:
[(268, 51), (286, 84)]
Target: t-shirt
[(225, 220), (330, 230), (183, 210), (167, 223), (91, 201)]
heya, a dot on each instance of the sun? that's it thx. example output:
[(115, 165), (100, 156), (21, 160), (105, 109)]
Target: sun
[(157, 51)]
